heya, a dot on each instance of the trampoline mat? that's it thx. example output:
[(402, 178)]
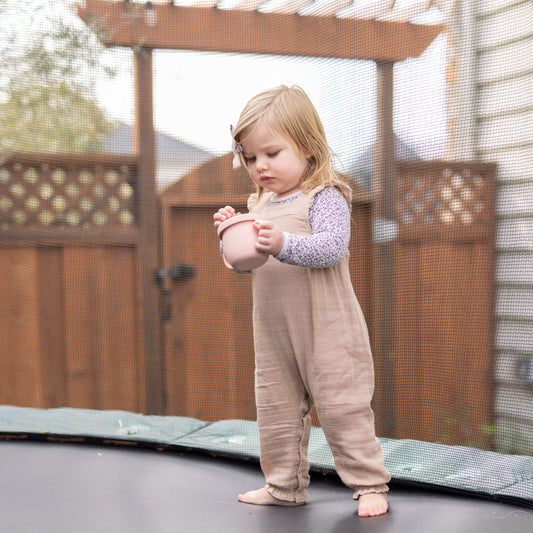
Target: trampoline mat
[(85, 488)]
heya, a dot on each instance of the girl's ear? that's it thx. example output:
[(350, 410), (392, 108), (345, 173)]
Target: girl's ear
[(313, 144), (306, 155)]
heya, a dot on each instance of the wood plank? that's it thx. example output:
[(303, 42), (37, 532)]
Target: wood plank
[(408, 369), (436, 356), (474, 338), (103, 357), (20, 363), (247, 5), (61, 236), (196, 28), (324, 9), (407, 13), (52, 326), (361, 268), (371, 11), (291, 6), (82, 268), (120, 370)]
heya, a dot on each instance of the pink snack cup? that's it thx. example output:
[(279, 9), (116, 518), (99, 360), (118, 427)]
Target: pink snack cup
[(238, 238)]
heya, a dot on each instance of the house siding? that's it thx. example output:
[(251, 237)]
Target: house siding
[(504, 134)]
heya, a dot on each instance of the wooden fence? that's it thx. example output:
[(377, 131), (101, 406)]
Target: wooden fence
[(69, 276), (73, 313), (443, 372)]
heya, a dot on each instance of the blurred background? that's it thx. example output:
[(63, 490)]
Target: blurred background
[(114, 153)]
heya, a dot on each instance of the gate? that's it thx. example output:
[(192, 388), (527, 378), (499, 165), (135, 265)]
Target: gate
[(209, 355)]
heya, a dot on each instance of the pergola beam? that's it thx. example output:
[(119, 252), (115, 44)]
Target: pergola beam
[(235, 31)]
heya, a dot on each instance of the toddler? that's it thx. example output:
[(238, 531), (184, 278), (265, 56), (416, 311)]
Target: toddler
[(310, 337)]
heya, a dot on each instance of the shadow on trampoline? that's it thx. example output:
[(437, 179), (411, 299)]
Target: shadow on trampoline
[(88, 488)]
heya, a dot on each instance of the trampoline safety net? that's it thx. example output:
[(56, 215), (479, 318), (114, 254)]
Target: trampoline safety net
[(119, 320)]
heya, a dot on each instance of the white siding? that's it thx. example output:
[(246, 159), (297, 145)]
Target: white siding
[(515, 234), (504, 61), (515, 268), (504, 134), (515, 302), (506, 95), (509, 398), (514, 335), (490, 6), (513, 436), (505, 371), (514, 419), (516, 199), (511, 24), (505, 130)]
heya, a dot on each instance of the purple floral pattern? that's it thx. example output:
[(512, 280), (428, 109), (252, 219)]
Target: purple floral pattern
[(329, 218)]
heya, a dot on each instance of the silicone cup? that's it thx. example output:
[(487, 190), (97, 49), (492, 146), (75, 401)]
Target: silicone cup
[(238, 238)]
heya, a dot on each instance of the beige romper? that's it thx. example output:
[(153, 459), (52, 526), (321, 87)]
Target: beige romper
[(311, 347)]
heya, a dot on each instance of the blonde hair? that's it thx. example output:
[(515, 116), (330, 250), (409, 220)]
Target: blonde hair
[(290, 112)]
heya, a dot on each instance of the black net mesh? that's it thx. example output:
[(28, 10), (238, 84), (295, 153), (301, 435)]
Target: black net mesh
[(116, 300)]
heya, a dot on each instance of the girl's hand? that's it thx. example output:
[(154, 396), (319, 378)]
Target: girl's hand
[(223, 214), (270, 238)]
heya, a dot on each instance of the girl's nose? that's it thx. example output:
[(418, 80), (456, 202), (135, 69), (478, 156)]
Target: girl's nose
[(261, 164)]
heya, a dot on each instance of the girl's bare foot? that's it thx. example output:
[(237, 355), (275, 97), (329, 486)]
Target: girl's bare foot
[(263, 497), (373, 504)]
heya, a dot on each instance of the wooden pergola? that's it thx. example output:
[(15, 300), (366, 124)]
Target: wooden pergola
[(374, 32), (331, 30)]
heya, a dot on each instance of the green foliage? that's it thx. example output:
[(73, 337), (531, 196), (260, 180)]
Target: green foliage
[(457, 427), (49, 61)]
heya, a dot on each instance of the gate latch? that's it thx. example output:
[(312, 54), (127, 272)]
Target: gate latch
[(175, 272)]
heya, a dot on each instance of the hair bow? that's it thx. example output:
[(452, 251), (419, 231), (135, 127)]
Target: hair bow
[(236, 148)]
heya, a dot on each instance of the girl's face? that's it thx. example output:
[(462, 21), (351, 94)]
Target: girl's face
[(273, 161)]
